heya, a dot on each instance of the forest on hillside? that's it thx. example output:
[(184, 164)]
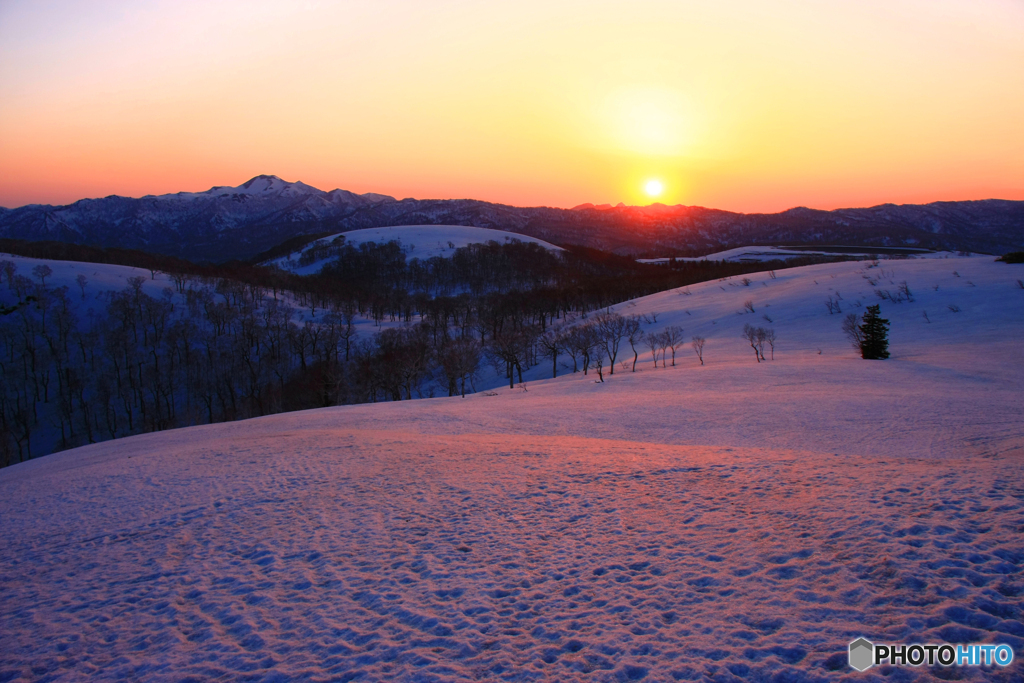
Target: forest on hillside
[(238, 340)]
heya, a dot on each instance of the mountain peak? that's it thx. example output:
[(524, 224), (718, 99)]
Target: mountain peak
[(267, 184), (262, 176), (263, 183)]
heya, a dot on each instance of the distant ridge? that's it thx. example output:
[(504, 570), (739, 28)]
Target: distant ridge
[(226, 223)]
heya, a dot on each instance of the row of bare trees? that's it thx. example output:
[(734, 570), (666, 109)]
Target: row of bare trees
[(134, 362), (210, 348), (598, 341)]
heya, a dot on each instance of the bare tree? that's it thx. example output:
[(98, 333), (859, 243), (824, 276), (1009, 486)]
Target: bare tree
[(673, 338), (634, 335), (833, 306), (42, 272), (553, 342), (82, 281), (599, 362), (572, 347), (769, 336), (748, 305), (851, 328), (698, 347), (458, 360), (750, 334), (512, 349), (179, 280), (581, 342), (348, 331), (611, 327), (8, 269), (762, 337), (468, 354), (21, 285), (653, 341)]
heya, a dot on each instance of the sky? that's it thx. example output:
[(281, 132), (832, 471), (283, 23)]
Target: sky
[(744, 105)]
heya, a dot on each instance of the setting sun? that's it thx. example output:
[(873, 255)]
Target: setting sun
[(654, 188), (742, 106)]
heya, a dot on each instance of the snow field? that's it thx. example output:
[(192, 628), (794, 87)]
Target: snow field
[(731, 522), (375, 555)]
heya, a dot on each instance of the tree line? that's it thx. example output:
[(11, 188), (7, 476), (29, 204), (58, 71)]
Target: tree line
[(238, 341)]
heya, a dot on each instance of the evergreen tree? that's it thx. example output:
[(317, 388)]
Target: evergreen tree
[(874, 330)]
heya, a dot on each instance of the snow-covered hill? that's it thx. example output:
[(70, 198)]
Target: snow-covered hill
[(731, 521), (418, 241), (755, 254), (100, 279)]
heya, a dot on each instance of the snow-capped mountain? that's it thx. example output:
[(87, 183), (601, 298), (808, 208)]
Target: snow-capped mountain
[(225, 223)]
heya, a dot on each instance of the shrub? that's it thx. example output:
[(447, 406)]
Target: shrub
[(1012, 257)]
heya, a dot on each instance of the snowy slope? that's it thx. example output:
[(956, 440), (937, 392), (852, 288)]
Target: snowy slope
[(102, 278), (419, 241), (794, 303), (736, 521), (758, 254)]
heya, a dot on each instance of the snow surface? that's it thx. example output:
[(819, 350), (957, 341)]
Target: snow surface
[(732, 521), (420, 241)]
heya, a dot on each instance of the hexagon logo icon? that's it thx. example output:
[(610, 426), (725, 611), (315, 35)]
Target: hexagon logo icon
[(862, 654)]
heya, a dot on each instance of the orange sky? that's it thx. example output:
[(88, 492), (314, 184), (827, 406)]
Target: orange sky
[(741, 105)]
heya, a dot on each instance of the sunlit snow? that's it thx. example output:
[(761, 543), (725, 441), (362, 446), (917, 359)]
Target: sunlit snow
[(732, 521)]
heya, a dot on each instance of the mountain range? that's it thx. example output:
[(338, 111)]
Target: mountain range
[(225, 223)]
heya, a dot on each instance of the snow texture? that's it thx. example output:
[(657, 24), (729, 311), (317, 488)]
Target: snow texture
[(730, 522)]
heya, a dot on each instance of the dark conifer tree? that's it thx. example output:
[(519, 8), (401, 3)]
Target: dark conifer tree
[(874, 330)]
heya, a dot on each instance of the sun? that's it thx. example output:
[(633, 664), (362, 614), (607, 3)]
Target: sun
[(654, 188)]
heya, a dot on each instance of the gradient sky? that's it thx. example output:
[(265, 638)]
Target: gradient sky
[(741, 105)]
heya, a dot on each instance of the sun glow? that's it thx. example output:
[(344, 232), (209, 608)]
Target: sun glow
[(750, 105), (649, 120), (654, 188)]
